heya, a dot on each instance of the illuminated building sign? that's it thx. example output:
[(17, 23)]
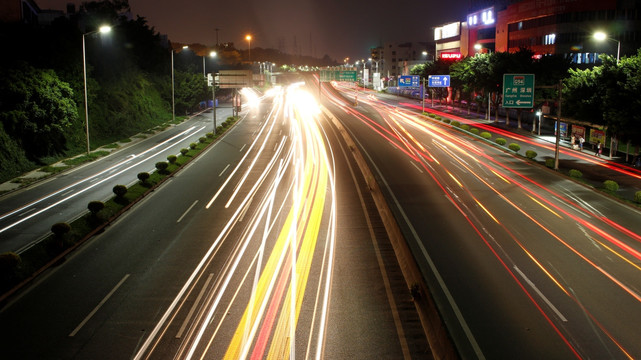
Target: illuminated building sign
[(447, 31), (481, 18), (451, 56)]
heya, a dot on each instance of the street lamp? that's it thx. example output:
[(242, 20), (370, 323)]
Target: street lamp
[(103, 30), (173, 91), (478, 47), (601, 36), (249, 47), (211, 54), (538, 113), (213, 91)]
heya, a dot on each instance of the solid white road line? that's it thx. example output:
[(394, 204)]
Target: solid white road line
[(95, 310)]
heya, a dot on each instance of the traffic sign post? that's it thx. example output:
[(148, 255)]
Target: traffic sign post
[(518, 91)]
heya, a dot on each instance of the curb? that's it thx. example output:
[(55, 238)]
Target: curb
[(437, 335)]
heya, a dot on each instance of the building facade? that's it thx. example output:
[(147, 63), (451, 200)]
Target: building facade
[(545, 27), (394, 59)]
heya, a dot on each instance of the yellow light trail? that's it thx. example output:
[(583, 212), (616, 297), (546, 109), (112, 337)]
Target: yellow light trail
[(309, 213)]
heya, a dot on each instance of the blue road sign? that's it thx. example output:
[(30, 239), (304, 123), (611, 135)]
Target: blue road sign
[(409, 81), (438, 81)]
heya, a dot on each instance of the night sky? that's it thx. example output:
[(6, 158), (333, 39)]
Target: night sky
[(338, 28)]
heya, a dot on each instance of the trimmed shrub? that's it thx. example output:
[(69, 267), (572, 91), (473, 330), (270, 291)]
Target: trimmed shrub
[(549, 163), (486, 135), (172, 159), (162, 166), (143, 177), (475, 131), (514, 147), (499, 141), (575, 173), (184, 151), (610, 186), (637, 197), (202, 140), (531, 154), (431, 115), (193, 145), (95, 206), (447, 121), (210, 135), (465, 127), (59, 229), (120, 191), (9, 261), (456, 123), (219, 129)]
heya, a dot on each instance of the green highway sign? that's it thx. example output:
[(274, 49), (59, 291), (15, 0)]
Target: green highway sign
[(337, 75), (347, 75), (518, 91)]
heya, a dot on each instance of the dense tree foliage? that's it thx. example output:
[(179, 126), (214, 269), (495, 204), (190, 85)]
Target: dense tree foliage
[(608, 95), (128, 82), (36, 109)]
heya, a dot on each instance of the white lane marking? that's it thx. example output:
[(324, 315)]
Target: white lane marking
[(193, 307), (186, 211), (242, 147), (27, 211), (547, 301), (67, 193), (225, 169), (416, 166), (95, 310)]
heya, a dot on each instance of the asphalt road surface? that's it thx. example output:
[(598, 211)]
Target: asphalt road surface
[(203, 268), (523, 263)]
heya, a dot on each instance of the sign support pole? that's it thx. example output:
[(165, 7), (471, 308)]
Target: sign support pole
[(213, 97), (423, 95), (558, 128)]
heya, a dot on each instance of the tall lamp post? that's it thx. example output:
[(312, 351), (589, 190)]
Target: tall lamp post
[(213, 91), (249, 47), (601, 36), (103, 30), (211, 54), (173, 91)]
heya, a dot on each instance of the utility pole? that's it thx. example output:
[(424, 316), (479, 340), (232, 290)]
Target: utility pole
[(423, 95)]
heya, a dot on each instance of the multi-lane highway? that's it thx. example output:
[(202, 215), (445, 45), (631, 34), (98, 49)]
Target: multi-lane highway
[(523, 263), (266, 246)]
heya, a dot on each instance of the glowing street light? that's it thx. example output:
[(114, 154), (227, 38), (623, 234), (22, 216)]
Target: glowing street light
[(211, 54), (103, 30), (249, 47), (173, 91), (601, 36)]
